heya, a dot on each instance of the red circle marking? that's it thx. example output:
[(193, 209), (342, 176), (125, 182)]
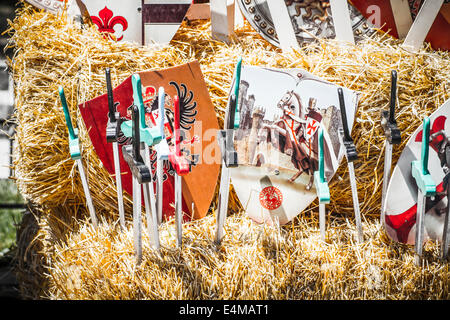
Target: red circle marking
[(271, 198)]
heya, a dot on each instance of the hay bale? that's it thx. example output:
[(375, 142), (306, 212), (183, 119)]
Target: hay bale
[(50, 52)]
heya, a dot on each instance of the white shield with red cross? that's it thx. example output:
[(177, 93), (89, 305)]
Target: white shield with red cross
[(312, 125)]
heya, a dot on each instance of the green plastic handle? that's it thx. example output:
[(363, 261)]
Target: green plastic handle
[(237, 115), (74, 141), (419, 168), (321, 184), (321, 159), (62, 96), (425, 145), (138, 100), (151, 136)]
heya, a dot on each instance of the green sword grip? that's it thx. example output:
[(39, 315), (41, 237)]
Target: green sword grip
[(138, 100), (62, 96), (419, 168), (237, 115), (425, 145), (74, 142), (150, 136), (321, 184)]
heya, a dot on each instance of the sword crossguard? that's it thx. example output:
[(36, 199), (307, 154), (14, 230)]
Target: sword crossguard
[(344, 134), (150, 136), (74, 141), (419, 168), (237, 114), (131, 153), (388, 122), (114, 121), (162, 148), (179, 163), (320, 182)]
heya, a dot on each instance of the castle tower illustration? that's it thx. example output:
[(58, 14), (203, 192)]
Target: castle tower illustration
[(257, 121)]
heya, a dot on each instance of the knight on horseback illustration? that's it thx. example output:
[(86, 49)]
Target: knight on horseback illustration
[(297, 131)]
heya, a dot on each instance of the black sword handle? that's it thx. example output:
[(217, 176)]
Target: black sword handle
[(112, 117), (113, 125), (347, 140), (388, 122), (393, 97), (136, 136), (131, 153), (347, 136)]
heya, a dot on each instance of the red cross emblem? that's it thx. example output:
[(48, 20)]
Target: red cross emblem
[(311, 127)]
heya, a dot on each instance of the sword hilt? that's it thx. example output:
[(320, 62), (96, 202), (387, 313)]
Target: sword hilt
[(388, 122), (419, 168), (162, 147), (321, 184), (344, 133), (225, 137), (113, 125), (74, 142), (151, 136), (179, 163), (237, 116), (132, 155)]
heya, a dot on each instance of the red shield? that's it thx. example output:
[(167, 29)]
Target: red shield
[(199, 125), (438, 35)]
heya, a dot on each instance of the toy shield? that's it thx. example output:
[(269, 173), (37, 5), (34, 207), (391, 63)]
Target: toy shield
[(198, 124), (277, 139), (401, 199), (49, 5), (310, 19), (380, 13), (140, 21)]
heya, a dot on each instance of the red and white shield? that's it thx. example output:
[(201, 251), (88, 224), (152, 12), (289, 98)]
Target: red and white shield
[(113, 18), (139, 21), (311, 127)]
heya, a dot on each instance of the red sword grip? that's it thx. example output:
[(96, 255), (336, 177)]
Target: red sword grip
[(179, 163)]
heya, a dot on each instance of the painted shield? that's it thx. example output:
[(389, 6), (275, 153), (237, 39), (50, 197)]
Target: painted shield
[(277, 139), (310, 19), (401, 199), (379, 13), (143, 22), (198, 123), (112, 17), (49, 5)]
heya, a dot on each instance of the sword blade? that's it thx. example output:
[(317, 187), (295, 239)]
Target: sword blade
[(118, 184), (351, 172), (446, 231), (137, 220), (159, 187), (223, 202), (421, 200), (87, 193), (386, 178), (322, 220), (150, 203), (178, 209)]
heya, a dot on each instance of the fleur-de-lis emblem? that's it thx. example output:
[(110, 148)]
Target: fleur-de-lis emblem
[(107, 21)]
